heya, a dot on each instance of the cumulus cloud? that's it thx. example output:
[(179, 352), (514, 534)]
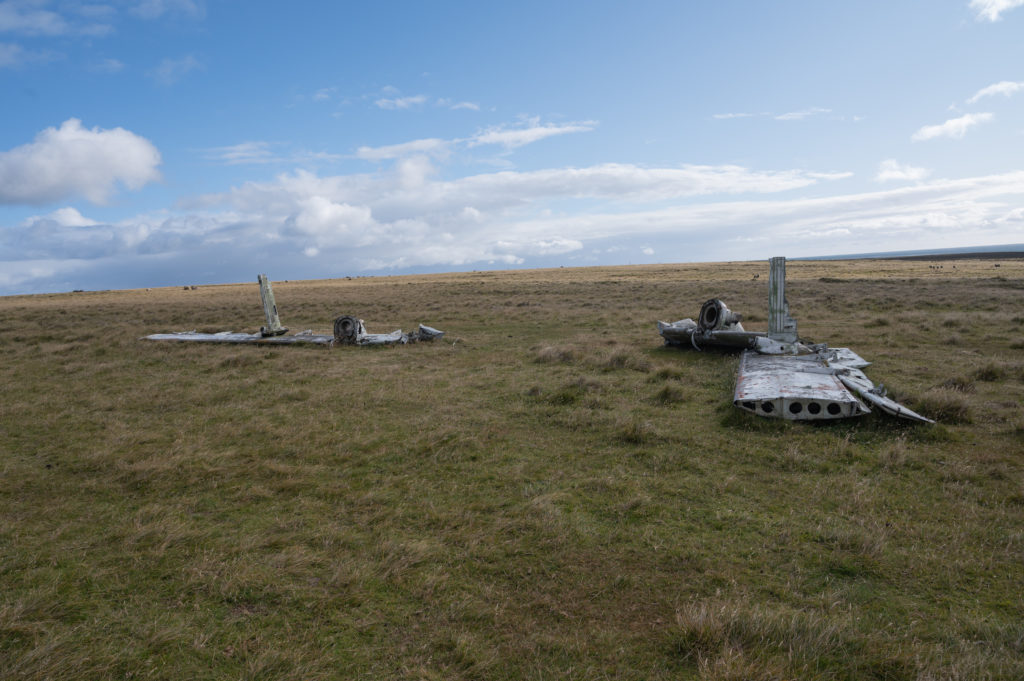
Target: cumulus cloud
[(65, 217), (75, 161), (892, 170), (1005, 88), (170, 71), (954, 128), (991, 10)]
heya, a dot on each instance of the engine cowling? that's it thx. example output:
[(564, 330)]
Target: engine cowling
[(715, 316)]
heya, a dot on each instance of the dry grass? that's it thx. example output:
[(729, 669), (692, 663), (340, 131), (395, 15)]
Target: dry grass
[(549, 492)]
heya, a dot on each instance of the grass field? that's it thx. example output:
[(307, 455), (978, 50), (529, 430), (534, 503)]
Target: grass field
[(546, 493)]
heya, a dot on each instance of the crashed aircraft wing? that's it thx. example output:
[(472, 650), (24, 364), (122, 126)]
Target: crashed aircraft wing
[(348, 330), (780, 376)]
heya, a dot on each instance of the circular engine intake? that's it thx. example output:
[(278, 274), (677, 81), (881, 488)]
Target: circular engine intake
[(346, 329), (714, 315)]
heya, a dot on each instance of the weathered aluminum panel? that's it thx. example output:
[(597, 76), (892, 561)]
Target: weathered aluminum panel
[(798, 387), (781, 326), (424, 333), (230, 337)]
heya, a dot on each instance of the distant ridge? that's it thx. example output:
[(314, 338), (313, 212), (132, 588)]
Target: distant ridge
[(1003, 251)]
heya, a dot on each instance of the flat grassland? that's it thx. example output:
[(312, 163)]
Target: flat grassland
[(546, 493)]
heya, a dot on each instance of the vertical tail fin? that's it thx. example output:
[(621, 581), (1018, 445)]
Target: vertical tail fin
[(273, 327), (781, 326)]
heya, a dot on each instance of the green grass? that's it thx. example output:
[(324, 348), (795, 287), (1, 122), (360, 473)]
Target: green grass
[(546, 493)]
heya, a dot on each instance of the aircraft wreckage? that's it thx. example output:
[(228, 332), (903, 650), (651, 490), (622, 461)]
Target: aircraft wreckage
[(780, 376), (348, 330)]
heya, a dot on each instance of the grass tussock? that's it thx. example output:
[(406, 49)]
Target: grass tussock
[(746, 641), (944, 405), (960, 384), (625, 359), (550, 354)]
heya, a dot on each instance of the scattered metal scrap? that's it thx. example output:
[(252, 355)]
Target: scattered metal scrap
[(348, 330), (780, 376)]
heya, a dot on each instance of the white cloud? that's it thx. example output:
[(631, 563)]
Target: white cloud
[(500, 135), (170, 71), (107, 66), (28, 18), (472, 106), (1005, 88), (991, 9), (245, 152), (76, 161), (890, 170), (647, 250), (324, 94), (321, 226), (954, 128), (800, 115), (727, 116), (432, 146), (154, 9), (258, 152), (10, 55), (65, 217), (400, 102), (532, 132), (13, 55)]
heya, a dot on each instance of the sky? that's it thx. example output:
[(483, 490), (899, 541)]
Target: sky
[(182, 142)]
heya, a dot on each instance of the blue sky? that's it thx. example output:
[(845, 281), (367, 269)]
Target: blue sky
[(166, 142)]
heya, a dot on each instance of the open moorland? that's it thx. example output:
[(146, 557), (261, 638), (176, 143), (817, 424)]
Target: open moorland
[(548, 492)]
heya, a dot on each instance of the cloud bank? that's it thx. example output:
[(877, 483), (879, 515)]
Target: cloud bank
[(303, 224)]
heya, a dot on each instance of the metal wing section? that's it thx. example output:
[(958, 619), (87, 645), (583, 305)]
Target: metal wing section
[(797, 387), (857, 382)]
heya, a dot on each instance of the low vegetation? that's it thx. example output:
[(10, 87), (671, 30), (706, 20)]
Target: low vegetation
[(549, 492)]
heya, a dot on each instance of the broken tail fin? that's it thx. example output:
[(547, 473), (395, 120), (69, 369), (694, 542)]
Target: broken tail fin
[(273, 327)]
